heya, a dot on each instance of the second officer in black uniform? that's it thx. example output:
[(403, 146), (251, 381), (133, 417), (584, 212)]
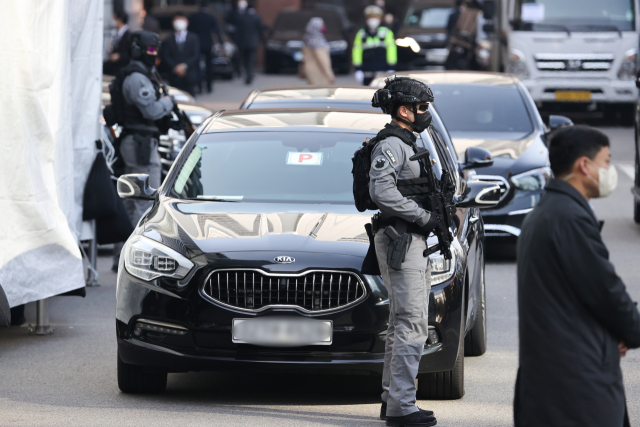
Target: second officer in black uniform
[(139, 108)]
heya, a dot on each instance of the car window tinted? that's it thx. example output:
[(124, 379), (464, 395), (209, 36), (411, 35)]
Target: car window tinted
[(490, 108), (275, 167), (448, 157), (434, 17), (356, 105)]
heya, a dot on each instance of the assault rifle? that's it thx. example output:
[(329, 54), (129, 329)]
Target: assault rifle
[(437, 198), (184, 123)]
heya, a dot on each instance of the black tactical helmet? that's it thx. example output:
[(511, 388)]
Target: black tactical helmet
[(401, 91), (142, 42)]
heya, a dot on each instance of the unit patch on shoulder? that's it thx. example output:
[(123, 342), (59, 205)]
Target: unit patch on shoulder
[(379, 163), (391, 157), (145, 92)]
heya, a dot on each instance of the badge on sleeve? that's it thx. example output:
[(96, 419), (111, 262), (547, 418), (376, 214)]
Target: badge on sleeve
[(145, 92), (391, 156), (379, 163)]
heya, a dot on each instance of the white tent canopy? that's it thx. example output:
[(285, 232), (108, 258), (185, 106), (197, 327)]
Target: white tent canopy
[(50, 85)]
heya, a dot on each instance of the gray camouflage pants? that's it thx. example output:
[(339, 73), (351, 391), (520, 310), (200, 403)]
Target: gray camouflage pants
[(408, 323)]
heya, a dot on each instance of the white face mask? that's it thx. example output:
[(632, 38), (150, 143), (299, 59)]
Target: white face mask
[(242, 5), (607, 180), (373, 23), (179, 25)]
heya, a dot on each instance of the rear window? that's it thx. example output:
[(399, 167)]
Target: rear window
[(489, 108)]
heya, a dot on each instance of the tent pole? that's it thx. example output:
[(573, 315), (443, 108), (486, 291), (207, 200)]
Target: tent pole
[(92, 279), (42, 326)]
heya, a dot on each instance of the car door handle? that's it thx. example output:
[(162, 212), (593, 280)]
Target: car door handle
[(475, 216)]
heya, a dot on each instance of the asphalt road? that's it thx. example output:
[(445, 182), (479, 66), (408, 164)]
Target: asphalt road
[(69, 378)]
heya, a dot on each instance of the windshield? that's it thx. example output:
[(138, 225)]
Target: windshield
[(481, 108), (274, 167), (574, 15), (435, 17)]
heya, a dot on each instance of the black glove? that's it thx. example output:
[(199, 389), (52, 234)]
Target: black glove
[(434, 223)]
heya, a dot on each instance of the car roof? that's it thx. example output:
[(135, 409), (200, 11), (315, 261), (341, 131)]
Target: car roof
[(291, 119), (346, 93), (452, 77)]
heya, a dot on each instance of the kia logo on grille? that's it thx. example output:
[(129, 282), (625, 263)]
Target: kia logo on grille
[(284, 259)]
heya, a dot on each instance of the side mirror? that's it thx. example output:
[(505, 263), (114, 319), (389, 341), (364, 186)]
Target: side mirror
[(135, 186), (477, 157), (479, 194), (557, 122), (489, 9)]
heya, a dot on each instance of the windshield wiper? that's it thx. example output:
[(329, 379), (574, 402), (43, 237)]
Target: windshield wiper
[(562, 27), (230, 199), (604, 27)]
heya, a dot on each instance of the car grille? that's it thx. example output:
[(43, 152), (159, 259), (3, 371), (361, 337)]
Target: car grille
[(574, 62), (496, 179), (312, 291)]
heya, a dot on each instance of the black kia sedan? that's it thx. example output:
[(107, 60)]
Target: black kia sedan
[(495, 111), (250, 258)]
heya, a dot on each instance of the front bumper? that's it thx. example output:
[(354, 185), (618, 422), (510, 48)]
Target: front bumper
[(358, 337), (603, 89)]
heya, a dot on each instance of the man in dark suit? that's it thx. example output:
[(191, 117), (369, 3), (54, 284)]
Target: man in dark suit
[(203, 23), (119, 55), (180, 54), (576, 318), (244, 26)]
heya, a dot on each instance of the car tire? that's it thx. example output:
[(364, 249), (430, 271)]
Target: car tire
[(636, 211), (448, 385), (134, 379), (475, 343)]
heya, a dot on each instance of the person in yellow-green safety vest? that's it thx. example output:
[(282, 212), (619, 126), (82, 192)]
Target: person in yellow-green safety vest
[(374, 48)]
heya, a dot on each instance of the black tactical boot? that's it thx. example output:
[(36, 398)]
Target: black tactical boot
[(383, 411), (415, 419)]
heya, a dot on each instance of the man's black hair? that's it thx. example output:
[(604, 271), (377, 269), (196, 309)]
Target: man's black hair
[(121, 15), (147, 5), (569, 144), (179, 15)]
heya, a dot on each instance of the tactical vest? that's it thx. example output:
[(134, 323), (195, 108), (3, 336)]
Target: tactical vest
[(362, 164), (128, 115)]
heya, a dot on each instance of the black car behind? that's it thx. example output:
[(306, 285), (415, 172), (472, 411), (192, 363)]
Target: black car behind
[(250, 259)]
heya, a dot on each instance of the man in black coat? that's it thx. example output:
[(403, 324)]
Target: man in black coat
[(180, 55), (576, 318), (119, 54), (203, 23), (244, 26)]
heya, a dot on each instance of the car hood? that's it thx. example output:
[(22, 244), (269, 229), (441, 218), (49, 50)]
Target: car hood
[(513, 153), (218, 227)]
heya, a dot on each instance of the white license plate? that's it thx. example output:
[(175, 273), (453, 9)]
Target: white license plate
[(275, 331), (298, 56)]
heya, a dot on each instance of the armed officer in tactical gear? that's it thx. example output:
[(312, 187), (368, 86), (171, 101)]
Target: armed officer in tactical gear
[(409, 283), (140, 108)]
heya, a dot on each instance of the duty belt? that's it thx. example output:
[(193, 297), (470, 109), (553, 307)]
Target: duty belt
[(379, 223)]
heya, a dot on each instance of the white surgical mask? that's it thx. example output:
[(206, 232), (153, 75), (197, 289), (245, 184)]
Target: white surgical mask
[(242, 5), (373, 23), (607, 180), (179, 25)]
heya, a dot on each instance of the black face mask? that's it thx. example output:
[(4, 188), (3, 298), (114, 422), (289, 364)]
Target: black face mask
[(149, 60), (421, 121)]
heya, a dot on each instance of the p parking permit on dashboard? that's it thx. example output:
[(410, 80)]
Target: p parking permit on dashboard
[(304, 159)]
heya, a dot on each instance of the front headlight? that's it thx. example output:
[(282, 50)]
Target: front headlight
[(275, 45), (409, 42), (628, 66), (338, 45), (533, 180), (442, 269), (517, 64), (147, 259)]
